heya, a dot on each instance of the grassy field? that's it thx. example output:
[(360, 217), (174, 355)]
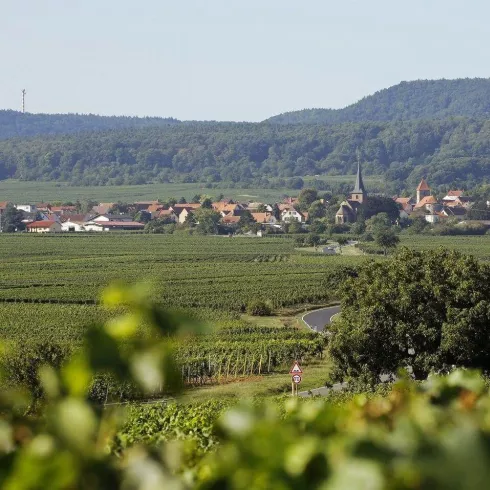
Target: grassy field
[(32, 192), (479, 246)]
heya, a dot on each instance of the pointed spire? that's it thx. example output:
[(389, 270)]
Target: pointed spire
[(359, 187)]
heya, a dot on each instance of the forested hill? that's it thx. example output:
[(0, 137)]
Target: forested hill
[(13, 123), (420, 99), (452, 151)]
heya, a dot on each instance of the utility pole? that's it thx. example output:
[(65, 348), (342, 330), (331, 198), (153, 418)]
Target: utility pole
[(24, 101)]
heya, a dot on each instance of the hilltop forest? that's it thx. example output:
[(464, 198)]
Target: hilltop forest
[(437, 129), (449, 152), (419, 99)]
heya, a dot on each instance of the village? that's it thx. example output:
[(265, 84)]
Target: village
[(47, 218), (231, 215)]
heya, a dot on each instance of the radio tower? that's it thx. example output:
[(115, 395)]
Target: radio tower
[(24, 101)]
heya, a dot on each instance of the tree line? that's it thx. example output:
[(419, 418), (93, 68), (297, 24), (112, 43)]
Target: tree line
[(450, 152)]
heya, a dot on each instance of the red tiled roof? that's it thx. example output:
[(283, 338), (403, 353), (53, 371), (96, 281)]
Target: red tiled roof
[(403, 200), (41, 224), (153, 208), (426, 200), (188, 206), (63, 208), (423, 186), (261, 217)]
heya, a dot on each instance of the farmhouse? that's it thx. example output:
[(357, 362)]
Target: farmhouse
[(44, 227)]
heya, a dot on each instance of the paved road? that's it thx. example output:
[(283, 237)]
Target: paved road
[(317, 319)]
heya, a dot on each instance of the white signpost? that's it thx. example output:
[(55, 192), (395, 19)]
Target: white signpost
[(296, 373)]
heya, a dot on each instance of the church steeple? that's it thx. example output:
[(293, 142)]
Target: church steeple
[(359, 193)]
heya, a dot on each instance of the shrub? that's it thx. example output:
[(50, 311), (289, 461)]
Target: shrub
[(259, 308)]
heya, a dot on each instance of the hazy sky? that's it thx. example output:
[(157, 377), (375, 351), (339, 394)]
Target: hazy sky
[(229, 59)]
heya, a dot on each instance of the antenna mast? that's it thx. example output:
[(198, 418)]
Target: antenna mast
[(24, 101)]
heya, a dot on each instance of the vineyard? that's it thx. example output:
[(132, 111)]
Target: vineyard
[(50, 289)]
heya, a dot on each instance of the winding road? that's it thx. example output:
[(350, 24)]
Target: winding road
[(317, 319)]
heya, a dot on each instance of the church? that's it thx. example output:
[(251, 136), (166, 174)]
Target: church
[(350, 208)]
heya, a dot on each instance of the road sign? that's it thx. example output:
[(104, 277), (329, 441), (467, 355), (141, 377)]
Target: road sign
[(296, 369), (296, 378)]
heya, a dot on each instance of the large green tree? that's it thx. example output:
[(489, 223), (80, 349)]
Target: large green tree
[(429, 310), (12, 219), (207, 221), (386, 239)]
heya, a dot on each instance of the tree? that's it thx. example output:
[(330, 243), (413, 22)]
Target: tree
[(381, 204), (429, 310), (207, 203), (246, 220), (119, 208), (479, 210), (207, 221), (342, 241), (318, 226), (276, 211), (417, 224), (386, 239), (313, 240), (294, 227), (379, 222), (142, 216), (182, 200), (261, 208), (306, 198), (12, 219), (359, 227), (316, 210)]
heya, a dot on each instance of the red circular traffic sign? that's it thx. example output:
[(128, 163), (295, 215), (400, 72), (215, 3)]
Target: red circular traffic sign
[(297, 379)]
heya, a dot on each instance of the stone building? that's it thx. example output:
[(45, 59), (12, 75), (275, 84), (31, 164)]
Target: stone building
[(349, 209)]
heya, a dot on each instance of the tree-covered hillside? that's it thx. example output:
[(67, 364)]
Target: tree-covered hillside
[(453, 151), (13, 123), (420, 99)]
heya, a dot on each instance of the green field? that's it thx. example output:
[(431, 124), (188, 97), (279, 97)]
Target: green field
[(32, 192), (479, 246)]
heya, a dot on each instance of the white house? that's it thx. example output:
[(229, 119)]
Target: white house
[(291, 214), (27, 208), (72, 226), (44, 227)]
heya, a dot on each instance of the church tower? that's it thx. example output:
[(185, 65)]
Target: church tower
[(359, 193), (423, 190)]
